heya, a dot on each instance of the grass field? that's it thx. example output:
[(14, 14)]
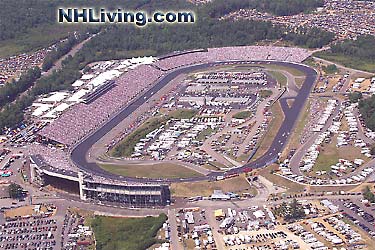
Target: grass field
[(310, 62), (183, 113), (347, 61), (293, 71), (265, 93), (161, 170), (242, 114), (295, 137), (330, 155), (300, 81), (206, 188), (280, 78), (273, 128), (205, 134), (113, 233), (243, 157)]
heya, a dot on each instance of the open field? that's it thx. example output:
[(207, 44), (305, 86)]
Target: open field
[(126, 233), (161, 170), (290, 102), (204, 134), (32, 40), (273, 128), (206, 188), (218, 165), (265, 93), (310, 62), (183, 114), (347, 61)]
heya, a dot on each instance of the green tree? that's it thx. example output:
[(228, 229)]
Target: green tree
[(368, 194), (15, 191), (367, 110), (355, 96), (372, 151)]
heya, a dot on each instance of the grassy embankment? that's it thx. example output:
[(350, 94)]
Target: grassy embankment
[(348, 61)]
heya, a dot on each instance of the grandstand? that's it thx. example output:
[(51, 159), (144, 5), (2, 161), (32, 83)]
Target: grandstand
[(101, 90), (82, 119)]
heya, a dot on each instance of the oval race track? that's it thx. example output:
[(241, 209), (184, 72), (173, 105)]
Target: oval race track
[(79, 152)]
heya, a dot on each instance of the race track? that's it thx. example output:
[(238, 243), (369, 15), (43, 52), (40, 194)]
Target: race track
[(79, 152)]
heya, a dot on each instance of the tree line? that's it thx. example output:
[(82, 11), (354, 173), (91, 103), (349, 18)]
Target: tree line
[(10, 91), (62, 49), (367, 109)]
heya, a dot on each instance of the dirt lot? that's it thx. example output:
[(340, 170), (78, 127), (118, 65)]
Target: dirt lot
[(23, 211)]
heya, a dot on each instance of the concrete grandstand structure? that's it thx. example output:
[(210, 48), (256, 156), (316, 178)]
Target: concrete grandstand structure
[(89, 188), (84, 124)]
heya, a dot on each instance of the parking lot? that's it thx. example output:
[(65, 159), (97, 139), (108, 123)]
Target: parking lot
[(29, 233), (359, 214)]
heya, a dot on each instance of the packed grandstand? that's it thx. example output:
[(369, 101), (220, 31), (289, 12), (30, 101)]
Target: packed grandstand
[(82, 119)]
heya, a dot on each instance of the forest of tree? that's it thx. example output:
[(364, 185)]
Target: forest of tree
[(219, 8), (362, 48), (18, 17), (311, 38)]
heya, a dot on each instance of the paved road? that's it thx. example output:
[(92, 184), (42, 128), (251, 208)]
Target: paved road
[(79, 152), (174, 232)]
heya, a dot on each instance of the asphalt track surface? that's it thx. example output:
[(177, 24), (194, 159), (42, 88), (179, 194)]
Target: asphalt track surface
[(79, 152)]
